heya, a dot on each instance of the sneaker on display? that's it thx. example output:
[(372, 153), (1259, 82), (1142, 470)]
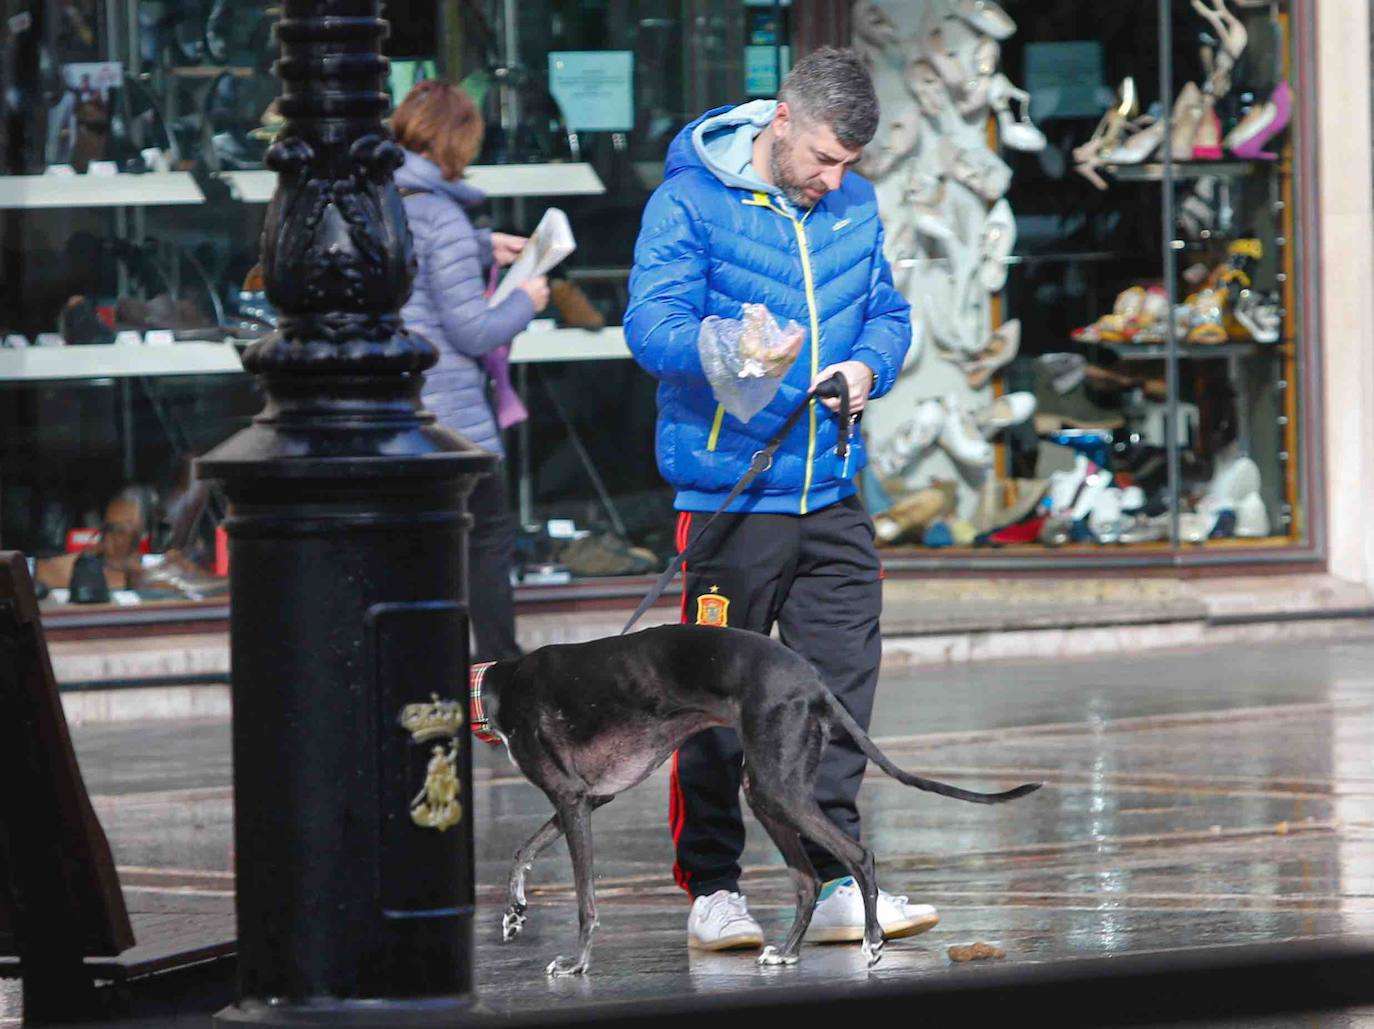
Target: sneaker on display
[(839, 915), (722, 921)]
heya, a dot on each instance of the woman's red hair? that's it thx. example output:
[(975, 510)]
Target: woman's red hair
[(439, 120)]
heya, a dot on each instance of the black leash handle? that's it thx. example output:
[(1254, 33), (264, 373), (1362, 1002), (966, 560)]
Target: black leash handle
[(835, 387)]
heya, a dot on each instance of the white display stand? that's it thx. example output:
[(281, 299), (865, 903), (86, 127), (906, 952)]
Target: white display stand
[(35, 192), (495, 180)]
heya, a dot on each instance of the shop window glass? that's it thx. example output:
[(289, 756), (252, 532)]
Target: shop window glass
[(1106, 293)]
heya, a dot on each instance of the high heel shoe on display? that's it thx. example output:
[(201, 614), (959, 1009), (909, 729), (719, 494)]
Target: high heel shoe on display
[(995, 245), (1016, 131), (1207, 141), (1262, 124), (1187, 114), (978, 90), (1138, 147), (1000, 348), (1090, 156)]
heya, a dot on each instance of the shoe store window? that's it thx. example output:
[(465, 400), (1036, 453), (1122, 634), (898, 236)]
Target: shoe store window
[(1093, 210), (132, 200), (603, 87)]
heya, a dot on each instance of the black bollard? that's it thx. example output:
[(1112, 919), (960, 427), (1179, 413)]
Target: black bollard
[(347, 525)]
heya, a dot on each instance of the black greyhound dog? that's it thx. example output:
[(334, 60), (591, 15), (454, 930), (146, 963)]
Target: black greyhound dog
[(585, 721)]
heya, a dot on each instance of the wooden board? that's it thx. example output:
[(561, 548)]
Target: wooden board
[(59, 893)]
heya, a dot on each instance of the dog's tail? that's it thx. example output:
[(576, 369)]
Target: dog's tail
[(866, 744)]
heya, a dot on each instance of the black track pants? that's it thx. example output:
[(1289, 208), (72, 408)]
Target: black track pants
[(817, 577)]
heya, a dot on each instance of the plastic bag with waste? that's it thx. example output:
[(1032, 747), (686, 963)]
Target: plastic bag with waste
[(746, 358)]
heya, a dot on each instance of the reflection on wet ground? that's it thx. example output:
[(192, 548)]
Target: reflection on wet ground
[(1198, 798)]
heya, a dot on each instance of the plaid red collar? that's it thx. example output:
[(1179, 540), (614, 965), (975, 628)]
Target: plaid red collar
[(477, 718)]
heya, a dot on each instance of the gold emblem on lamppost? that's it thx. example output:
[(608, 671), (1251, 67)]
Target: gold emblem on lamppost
[(439, 719), (436, 806)]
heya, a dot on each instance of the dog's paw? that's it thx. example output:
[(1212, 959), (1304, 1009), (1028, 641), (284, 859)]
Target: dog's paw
[(511, 924), (873, 952), (561, 966), (772, 958)]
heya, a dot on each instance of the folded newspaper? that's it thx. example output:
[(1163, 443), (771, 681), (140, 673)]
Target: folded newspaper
[(551, 241)]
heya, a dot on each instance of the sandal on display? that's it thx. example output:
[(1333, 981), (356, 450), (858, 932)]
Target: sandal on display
[(1138, 147), (1089, 156), (1263, 123), (995, 245), (1233, 39), (1015, 131), (1000, 348)]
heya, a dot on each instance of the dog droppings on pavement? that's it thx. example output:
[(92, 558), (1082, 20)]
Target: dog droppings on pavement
[(979, 951)]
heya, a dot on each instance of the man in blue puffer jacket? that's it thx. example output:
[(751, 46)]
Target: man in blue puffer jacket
[(757, 206)]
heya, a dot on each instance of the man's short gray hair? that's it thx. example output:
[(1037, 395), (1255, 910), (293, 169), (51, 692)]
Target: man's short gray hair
[(832, 87)]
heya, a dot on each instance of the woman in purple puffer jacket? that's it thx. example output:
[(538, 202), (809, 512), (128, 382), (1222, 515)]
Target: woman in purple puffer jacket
[(440, 129)]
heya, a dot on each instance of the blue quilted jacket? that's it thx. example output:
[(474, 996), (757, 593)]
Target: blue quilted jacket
[(448, 305), (713, 237)]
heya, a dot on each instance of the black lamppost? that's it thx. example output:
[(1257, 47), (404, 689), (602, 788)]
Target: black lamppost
[(352, 774)]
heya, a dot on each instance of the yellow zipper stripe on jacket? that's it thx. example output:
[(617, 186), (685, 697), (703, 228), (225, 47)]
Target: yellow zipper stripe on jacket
[(714, 438), (800, 230), (762, 200)]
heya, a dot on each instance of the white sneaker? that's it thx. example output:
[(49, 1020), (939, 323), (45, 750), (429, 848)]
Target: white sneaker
[(722, 922), (839, 916)]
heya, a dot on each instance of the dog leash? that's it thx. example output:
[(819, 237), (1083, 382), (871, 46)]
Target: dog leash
[(837, 387)]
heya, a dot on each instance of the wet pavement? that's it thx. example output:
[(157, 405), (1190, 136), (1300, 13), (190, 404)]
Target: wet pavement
[(1192, 798)]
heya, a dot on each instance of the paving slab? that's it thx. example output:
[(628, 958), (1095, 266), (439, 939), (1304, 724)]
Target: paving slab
[(1202, 797)]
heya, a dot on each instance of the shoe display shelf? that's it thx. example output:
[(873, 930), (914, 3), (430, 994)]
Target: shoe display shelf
[(152, 189), (208, 357), (496, 180), (67, 363), (1182, 170), (1186, 351)]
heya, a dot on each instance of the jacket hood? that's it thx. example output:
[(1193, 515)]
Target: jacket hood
[(722, 141), (422, 173)]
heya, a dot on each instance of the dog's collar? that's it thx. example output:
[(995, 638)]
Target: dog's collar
[(478, 721)]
